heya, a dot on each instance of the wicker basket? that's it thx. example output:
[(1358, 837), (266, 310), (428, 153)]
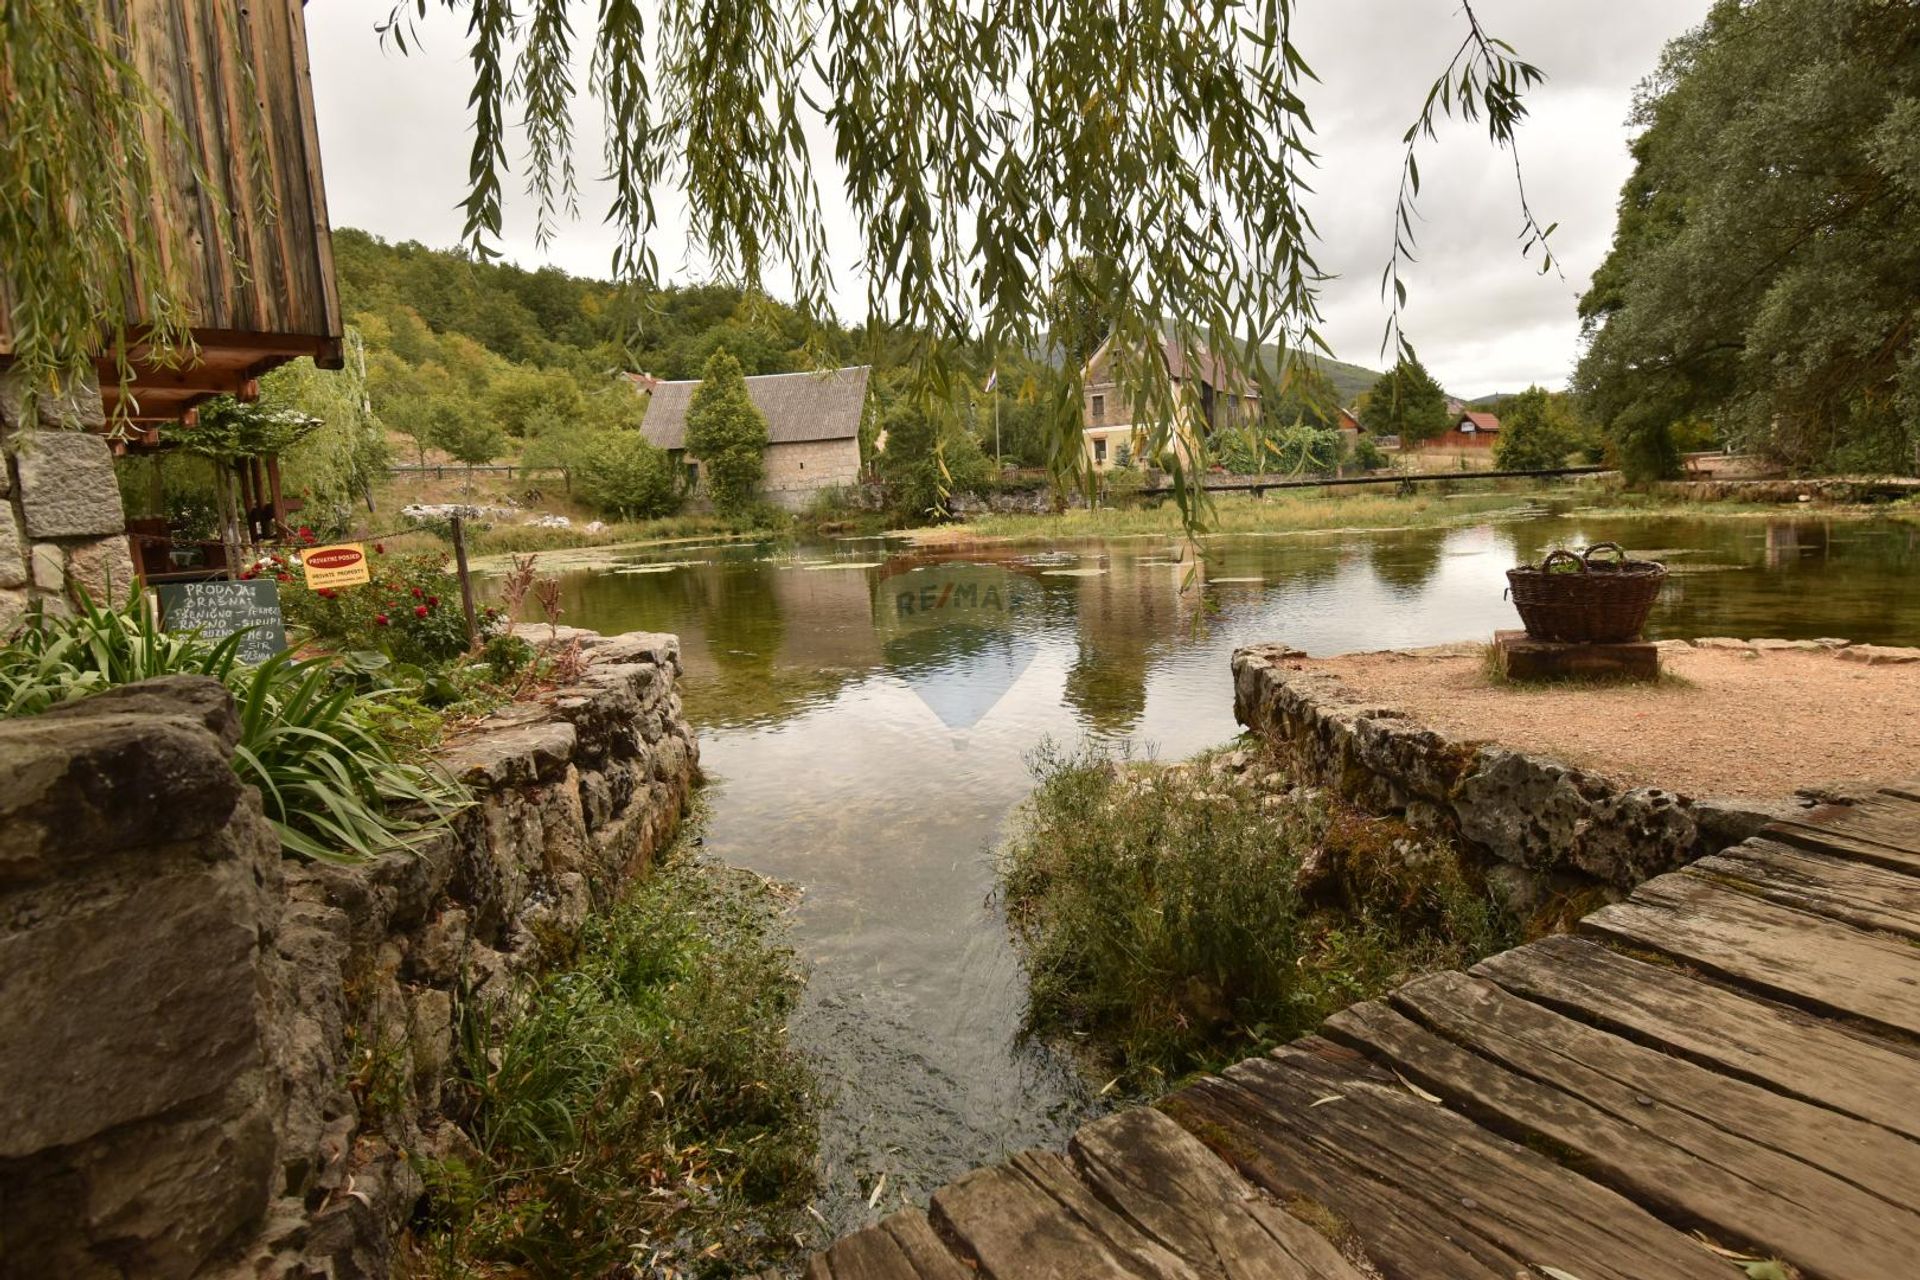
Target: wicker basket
[(1586, 598)]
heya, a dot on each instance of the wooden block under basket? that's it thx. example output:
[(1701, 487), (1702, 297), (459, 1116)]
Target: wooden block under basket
[(1524, 658)]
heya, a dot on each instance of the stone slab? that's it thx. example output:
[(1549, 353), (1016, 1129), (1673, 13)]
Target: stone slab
[(1524, 658), (67, 485)]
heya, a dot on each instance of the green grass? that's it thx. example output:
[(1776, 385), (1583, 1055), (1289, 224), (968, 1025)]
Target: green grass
[(1282, 512), (644, 1113), (1166, 929)]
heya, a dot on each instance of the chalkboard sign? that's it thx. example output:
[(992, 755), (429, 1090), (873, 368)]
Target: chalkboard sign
[(218, 609)]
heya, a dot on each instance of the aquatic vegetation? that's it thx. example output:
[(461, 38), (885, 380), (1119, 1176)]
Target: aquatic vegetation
[(1176, 918), (643, 1113)]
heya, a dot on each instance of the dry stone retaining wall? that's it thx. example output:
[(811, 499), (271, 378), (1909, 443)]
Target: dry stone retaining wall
[(219, 1062), (1545, 826), (61, 524)]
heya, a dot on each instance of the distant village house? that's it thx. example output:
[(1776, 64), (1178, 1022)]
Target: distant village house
[(1472, 429), (1111, 438), (813, 429)]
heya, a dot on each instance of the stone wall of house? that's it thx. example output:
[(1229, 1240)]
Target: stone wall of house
[(1544, 827), (794, 473), (221, 1062), (61, 525)]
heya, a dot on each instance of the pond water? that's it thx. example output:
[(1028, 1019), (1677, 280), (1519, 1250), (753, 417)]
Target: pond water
[(866, 714)]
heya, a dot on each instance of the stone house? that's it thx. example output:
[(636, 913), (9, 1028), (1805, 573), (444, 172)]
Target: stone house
[(813, 429), (1110, 436)]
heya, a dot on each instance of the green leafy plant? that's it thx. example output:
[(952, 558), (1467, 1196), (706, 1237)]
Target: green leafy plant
[(332, 788), (410, 610), (1173, 919), (644, 1113)]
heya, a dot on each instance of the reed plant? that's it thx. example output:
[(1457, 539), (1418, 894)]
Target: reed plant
[(1174, 919)]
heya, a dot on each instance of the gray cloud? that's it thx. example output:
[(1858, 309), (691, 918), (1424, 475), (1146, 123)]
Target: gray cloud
[(394, 138)]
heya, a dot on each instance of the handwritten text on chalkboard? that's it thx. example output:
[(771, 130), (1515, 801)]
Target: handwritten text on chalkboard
[(218, 609)]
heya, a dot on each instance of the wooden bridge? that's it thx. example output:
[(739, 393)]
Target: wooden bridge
[(1720, 1071)]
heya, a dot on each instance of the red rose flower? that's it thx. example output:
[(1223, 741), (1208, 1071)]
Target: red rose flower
[(379, 548), (419, 611), (379, 619), (283, 577), (417, 593), (306, 534), (433, 602)]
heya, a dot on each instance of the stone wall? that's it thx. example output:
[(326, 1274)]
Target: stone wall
[(1544, 826), (61, 524), (794, 474), (1823, 491), (220, 1062)]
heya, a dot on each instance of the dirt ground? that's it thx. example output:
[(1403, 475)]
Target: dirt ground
[(1754, 723)]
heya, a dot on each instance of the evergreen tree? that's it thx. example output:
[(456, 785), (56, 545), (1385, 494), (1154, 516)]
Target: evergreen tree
[(727, 434), (1406, 402)]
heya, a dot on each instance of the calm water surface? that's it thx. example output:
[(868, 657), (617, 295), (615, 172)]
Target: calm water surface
[(866, 715)]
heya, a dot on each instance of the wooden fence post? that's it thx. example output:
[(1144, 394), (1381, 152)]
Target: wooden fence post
[(466, 579)]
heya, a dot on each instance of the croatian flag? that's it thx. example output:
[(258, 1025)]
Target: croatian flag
[(993, 379)]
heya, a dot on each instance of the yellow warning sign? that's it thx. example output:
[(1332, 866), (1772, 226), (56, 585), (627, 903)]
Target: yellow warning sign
[(342, 565)]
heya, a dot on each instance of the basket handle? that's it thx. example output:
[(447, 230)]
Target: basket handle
[(1619, 552), (1561, 555)]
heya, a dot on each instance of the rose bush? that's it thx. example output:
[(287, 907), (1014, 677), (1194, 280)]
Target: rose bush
[(409, 611)]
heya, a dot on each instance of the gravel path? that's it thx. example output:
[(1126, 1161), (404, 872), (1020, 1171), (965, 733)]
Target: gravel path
[(1754, 723)]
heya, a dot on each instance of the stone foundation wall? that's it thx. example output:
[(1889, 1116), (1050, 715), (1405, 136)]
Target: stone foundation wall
[(61, 524), (1827, 490), (1544, 826), (219, 1062)]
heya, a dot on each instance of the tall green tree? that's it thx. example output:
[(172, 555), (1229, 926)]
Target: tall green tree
[(1407, 402), (1536, 432), (1763, 268), (727, 434), (620, 474)]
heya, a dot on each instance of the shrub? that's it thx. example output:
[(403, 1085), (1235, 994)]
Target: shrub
[(1368, 455), (1180, 918), (644, 1113), (332, 788), (410, 611), (727, 434), (926, 460), (622, 475), (1536, 433)]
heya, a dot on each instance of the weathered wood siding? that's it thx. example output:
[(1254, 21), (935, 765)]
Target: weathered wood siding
[(254, 251)]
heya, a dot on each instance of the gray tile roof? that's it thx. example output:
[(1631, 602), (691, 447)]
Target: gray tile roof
[(797, 406)]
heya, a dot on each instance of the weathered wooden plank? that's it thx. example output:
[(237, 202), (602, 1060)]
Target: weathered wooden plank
[(1800, 957), (1889, 821), (1791, 1147), (1168, 1183), (1859, 893), (1030, 1218), (1827, 840), (1736, 1034), (1909, 790), (901, 1247), (1425, 1190), (923, 1249), (1683, 1171)]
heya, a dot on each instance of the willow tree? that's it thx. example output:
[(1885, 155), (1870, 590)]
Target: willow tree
[(981, 145)]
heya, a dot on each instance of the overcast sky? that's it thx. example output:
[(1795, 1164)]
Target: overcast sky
[(394, 140)]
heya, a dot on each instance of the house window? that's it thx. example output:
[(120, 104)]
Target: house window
[(1099, 409), (1100, 450), (693, 475)]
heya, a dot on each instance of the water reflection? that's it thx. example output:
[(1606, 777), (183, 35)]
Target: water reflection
[(867, 726)]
